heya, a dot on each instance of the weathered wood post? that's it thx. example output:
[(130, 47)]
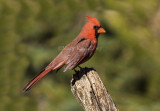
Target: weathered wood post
[(90, 92)]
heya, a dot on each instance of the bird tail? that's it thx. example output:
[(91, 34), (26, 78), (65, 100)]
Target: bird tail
[(36, 79), (44, 72)]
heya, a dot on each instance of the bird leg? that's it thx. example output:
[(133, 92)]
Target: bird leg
[(80, 67), (75, 70), (77, 73)]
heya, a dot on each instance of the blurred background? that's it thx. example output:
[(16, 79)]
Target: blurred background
[(33, 32)]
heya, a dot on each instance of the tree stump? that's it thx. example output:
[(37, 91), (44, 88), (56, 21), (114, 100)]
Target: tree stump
[(90, 92)]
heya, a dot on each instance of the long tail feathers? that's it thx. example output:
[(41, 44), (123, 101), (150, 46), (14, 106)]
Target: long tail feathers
[(36, 79), (42, 74)]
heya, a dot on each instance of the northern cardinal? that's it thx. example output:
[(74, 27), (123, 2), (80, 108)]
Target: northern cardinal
[(77, 52)]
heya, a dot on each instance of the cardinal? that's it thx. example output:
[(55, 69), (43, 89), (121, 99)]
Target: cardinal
[(75, 53)]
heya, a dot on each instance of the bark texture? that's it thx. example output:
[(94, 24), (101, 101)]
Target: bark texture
[(90, 92)]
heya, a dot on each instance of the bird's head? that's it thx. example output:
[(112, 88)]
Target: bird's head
[(92, 28)]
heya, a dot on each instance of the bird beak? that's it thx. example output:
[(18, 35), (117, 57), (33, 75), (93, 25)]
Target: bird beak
[(101, 30)]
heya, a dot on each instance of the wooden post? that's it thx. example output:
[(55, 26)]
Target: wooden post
[(90, 92)]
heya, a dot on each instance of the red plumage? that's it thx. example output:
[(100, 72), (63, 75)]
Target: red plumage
[(77, 52)]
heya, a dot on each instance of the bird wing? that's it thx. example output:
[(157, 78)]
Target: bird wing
[(78, 53)]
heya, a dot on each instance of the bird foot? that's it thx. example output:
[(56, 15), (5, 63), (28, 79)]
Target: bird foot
[(80, 67), (75, 71)]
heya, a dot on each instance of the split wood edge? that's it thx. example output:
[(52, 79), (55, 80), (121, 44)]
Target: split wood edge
[(90, 92)]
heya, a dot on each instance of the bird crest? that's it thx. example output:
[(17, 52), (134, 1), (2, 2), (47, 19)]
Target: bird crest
[(93, 20)]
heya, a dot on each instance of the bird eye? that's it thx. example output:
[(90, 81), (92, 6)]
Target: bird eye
[(96, 27)]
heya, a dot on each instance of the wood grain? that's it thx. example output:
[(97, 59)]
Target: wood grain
[(90, 92)]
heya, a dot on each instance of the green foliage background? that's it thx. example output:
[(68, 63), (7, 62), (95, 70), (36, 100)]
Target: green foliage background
[(33, 32)]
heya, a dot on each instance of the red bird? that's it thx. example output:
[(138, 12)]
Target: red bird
[(77, 52)]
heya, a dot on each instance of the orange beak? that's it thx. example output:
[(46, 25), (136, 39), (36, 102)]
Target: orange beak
[(101, 30)]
